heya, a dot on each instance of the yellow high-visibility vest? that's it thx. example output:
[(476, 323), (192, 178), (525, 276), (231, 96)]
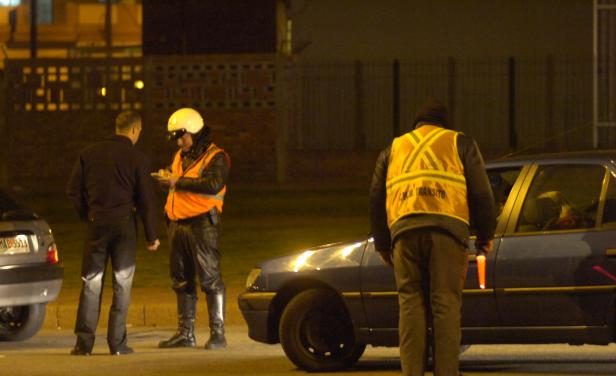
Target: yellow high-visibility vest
[(426, 176), (184, 204)]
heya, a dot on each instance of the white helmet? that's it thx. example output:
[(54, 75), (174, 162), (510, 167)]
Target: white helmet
[(185, 119)]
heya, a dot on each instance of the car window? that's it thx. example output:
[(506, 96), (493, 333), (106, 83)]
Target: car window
[(609, 212), (501, 181), (562, 197)]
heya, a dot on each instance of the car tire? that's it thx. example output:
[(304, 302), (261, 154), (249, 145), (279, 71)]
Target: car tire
[(316, 332), (19, 323)]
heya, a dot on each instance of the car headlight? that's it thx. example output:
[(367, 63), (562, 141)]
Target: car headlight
[(252, 277)]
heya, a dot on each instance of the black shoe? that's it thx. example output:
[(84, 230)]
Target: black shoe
[(78, 351), (179, 339), (123, 351), (217, 340)]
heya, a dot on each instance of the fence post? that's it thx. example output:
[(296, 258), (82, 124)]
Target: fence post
[(396, 98), (451, 87), (4, 107), (282, 96), (360, 139), (550, 141), (513, 137)]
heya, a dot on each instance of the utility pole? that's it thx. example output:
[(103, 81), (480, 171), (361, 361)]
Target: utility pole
[(33, 28), (108, 35)]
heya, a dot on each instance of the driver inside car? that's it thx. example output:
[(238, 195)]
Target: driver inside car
[(557, 213)]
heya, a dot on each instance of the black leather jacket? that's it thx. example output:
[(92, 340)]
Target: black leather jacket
[(213, 178), (479, 197)]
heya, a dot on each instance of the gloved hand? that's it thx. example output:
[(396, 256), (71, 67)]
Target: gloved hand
[(387, 257), (484, 246)]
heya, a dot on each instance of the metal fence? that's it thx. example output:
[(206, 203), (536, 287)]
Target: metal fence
[(506, 104), (605, 71), (289, 118)]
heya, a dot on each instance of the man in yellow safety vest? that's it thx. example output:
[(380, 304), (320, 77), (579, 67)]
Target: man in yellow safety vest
[(426, 189)]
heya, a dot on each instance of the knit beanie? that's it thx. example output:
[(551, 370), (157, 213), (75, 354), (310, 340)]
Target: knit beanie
[(434, 112)]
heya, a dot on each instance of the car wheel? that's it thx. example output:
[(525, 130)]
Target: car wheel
[(21, 322), (316, 332)]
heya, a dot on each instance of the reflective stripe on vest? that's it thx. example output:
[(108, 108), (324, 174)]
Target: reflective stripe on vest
[(426, 176), (184, 204)]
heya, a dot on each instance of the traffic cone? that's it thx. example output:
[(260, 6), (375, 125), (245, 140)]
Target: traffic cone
[(481, 270)]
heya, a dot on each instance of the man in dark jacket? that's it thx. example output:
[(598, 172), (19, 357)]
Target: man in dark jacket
[(426, 189), (197, 182), (109, 180)]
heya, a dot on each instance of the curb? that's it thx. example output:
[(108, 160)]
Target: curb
[(150, 307)]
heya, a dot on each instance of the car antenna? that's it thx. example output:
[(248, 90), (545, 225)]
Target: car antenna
[(549, 139)]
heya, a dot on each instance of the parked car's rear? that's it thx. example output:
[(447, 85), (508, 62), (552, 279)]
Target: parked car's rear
[(30, 271)]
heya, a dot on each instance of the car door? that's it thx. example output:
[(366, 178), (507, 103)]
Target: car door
[(380, 297), (553, 276), (479, 305)]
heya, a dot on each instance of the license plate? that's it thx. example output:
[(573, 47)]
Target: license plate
[(10, 245)]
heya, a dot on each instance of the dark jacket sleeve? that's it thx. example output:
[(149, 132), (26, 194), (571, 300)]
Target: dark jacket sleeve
[(479, 193), (212, 179), (145, 198), (378, 213), (75, 190)]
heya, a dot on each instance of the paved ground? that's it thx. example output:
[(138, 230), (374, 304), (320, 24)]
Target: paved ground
[(152, 318), (47, 355)]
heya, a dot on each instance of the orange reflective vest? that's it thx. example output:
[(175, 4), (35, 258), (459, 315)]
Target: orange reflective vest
[(426, 176), (184, 204)]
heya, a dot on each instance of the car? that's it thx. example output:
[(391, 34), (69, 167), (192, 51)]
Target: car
[(30, 270), (551, 277)]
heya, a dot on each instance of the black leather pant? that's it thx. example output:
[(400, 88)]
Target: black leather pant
[(113, 239), (194, 255)]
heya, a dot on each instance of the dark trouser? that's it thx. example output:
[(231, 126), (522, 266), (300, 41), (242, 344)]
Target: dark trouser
[(430, 269), (194, 255), (109, 239)]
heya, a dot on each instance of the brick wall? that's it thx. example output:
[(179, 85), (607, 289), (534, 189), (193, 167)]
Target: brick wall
[(56, 107)]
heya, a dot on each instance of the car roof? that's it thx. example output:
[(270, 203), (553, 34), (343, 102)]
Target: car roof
[(609, 154)]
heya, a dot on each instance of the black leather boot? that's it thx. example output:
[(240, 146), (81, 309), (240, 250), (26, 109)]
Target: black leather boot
[(216, 313), (185, 335)]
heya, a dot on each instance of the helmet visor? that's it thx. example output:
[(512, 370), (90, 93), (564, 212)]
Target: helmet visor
[(174, 135)]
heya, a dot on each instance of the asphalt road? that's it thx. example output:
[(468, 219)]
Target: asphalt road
[(47, 354)]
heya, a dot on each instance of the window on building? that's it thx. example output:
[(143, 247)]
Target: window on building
[(9, 3), (44, 12)]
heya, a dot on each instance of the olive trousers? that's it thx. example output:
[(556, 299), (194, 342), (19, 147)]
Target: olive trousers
[(430, 268)]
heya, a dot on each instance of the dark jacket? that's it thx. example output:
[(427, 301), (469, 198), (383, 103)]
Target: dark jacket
[(213, 178), (479, 197), (110, 179)]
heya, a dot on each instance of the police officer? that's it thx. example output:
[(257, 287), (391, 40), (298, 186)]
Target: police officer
[(426, 189), (108, 181), (197, 180)]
